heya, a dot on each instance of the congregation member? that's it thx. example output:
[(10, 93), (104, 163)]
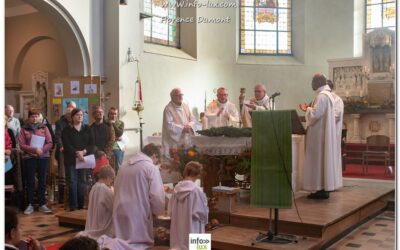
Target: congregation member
[(118, 126), (187, 207), (43, 120), (12, 122), (320, 172), (61, 124), (99, 214), (81, 243), (221, 112), (139, 194), (338, 107), (103, 133), (36, 158), (77, 142), (178, 122), (259, 102), (12, 233)]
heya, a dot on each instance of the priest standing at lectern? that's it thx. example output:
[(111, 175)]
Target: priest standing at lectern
[(221, 112), (321, 158), (178, 121), (259, 102)]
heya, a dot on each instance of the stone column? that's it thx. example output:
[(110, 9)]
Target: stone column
[(390, 131), (356, 128)]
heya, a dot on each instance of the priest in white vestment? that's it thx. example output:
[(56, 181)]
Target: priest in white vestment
[(188, 208), (338, 107), (221, 112), (178, 122), (99, 215), (259, 102), (139, 194), (320, 157)]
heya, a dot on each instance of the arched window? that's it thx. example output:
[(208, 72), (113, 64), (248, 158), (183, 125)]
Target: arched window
[(265, 27), (380, 14), (162, 27)]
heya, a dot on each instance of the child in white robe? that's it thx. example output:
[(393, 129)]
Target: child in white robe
[(187, 207), (99, 216)]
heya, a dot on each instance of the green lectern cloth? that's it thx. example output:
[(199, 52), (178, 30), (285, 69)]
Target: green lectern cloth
[(270, 154)]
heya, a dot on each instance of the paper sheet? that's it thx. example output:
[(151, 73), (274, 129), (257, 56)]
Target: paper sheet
[(89, 162), (123, 142), (37, 141)]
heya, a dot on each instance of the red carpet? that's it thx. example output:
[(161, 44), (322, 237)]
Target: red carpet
[(374, 172), (54, 246)]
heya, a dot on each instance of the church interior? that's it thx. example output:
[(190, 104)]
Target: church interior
[(137, 56)]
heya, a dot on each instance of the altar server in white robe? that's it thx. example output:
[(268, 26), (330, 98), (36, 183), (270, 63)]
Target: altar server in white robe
[(187, 208), (178, 122), (320, 157), (99, 215), (259, 102), (221, 112), (139, 194)]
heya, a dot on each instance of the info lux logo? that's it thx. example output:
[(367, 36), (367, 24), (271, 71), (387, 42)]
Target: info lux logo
[(199, 241)]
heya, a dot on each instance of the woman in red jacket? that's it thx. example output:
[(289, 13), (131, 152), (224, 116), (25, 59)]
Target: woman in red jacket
[(36, 158)]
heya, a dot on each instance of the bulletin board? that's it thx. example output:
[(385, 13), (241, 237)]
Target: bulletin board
[(84, 91)]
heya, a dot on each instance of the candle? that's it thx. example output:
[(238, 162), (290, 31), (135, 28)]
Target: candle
[(361, 93), (347, 93), (205, 100), (140, 91)]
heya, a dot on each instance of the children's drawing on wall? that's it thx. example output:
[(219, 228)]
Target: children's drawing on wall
[(81, 103), (74, 87), (56, 110), (58, 89), (41, 96), (90, 88)]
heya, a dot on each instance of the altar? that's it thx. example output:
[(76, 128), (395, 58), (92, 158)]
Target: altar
[(220, 146)]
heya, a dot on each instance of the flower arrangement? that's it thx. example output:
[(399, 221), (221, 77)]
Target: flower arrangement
[(181, 156), (352, 105)]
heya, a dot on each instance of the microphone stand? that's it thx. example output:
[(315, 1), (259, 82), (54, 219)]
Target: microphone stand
[(272, 102)]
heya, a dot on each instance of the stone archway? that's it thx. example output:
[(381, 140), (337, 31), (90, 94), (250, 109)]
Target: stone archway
[(78, 58)]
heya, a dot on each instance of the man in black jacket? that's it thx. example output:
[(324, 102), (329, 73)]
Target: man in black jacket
[(64, 121)]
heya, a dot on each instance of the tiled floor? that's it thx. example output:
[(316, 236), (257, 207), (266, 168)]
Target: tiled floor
[(45, 227), (378, 233)]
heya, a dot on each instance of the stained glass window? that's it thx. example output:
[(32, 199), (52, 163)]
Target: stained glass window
[(380, 14), (161, 28), (265, 27)]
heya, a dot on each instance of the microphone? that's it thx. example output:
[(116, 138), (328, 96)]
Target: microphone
[(275, 94)]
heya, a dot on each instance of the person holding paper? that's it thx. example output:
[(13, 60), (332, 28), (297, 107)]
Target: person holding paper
[(139, 194), (118, 125), (259, 102), (77, 141), (187, 207), (35, 142), (222, 112), (178, 122)]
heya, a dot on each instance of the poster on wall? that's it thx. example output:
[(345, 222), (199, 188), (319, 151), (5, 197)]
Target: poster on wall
[(58, 89), (90, 89), (74, 87), (81, 103)]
